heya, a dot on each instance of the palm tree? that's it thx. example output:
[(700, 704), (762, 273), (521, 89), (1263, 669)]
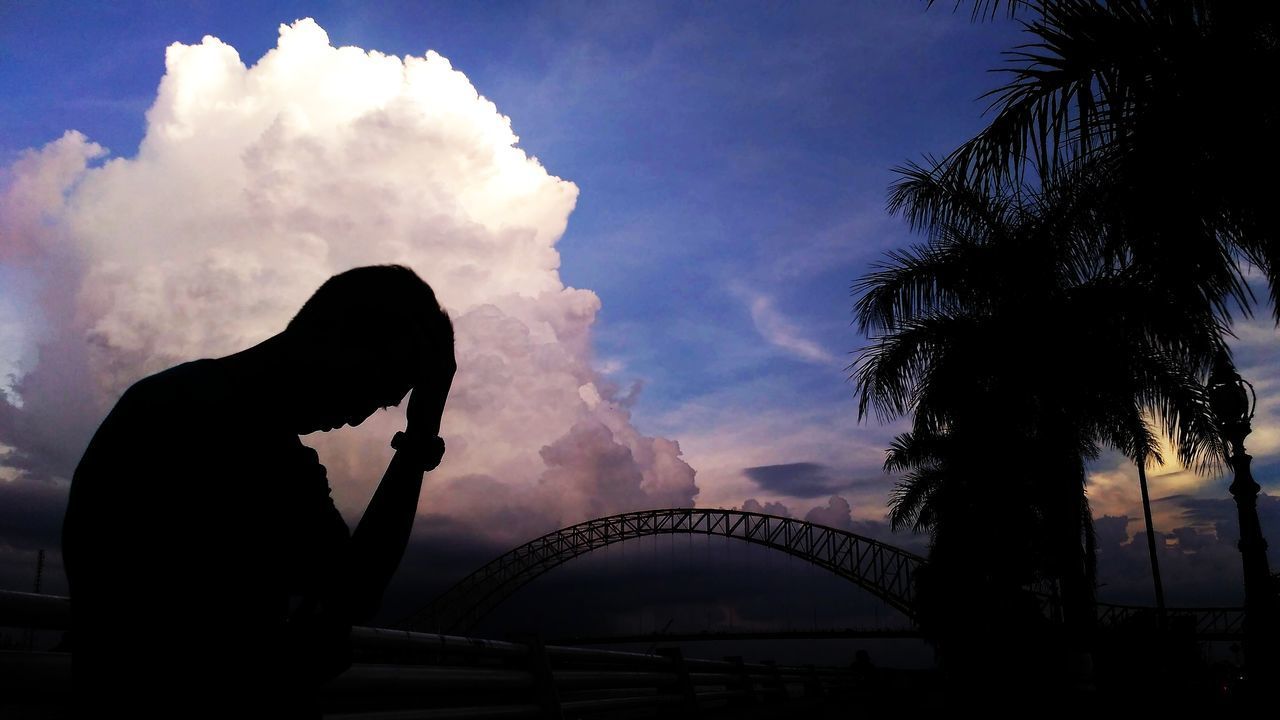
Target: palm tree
[(991, 544), (1170, 103), (1012, 316), (1151, 542)]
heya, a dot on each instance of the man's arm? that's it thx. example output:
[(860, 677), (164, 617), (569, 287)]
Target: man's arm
[(379, 542)]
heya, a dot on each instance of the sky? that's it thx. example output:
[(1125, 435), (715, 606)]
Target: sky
[(645, 219)]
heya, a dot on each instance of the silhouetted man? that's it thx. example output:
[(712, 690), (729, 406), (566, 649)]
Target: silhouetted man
[(210, 573)]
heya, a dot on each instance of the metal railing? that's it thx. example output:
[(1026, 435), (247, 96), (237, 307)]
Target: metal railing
[(405, 675), (1211, 623)]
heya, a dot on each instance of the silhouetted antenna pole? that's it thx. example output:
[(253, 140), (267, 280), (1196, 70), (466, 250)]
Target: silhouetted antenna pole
[(29, 639), (39, 572)]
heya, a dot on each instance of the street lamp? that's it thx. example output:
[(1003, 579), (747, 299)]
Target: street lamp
[(1233, 401)]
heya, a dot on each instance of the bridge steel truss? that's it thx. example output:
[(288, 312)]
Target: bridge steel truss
[(881, 569), (1210, 623)]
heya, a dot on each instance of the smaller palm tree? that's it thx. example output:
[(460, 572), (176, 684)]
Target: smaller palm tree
[(992, 542), (1016, 308)]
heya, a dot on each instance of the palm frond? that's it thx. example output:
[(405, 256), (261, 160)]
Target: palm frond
[(991, 9)]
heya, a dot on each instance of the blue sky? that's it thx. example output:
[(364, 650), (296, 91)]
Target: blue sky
[(724, 152), (732, 161)]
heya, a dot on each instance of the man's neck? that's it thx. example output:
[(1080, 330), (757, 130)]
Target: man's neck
[(272, 378)]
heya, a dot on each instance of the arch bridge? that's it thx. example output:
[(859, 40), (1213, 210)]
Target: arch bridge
[(882, 569), (885, 571)]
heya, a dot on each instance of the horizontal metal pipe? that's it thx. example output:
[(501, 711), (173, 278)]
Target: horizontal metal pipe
[(35, 673), (576, 654), (372, 638), (701, 678), (30, 610), (611, 678), (711, 665), (458, 713), (722, 695), (601, 693), (361, 679), (725, 665), (645, 701), (669, 638)]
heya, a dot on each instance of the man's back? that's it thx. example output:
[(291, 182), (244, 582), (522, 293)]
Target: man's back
[(193, 518), (197, 517)]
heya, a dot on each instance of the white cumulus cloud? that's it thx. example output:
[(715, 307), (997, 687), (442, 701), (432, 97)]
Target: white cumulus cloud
[(769, 508), (836, 513), (253, 185)]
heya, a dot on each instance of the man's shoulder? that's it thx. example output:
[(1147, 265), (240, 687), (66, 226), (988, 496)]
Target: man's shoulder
[(185, 382), (194, 373), (184, 396), (147, 438)]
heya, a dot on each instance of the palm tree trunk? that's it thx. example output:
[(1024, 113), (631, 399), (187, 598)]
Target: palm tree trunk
[(1151, 544), (1079, 605), (1077, 595)]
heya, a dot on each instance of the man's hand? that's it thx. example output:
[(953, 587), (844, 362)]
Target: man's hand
[(378, 543), (426, 404)]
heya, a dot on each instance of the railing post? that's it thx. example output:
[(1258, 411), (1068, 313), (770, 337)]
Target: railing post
[(684, 685), (776, 683), (812, 683), (742, 681), (544, 681)]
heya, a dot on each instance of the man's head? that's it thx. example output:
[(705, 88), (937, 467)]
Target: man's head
[(368, 335)]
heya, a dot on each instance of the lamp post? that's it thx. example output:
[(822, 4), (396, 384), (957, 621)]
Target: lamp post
[(1233, 401)]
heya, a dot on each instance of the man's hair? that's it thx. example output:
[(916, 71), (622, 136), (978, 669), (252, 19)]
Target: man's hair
[(385, 309)]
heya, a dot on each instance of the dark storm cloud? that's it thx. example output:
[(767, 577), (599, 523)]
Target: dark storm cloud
[(1200, 564), (1111, 530), (31, 513), (1266, 471), (1193, 540), (31, 521), (441, 552), (1206, 576), (18, 571), (1222, 514), (50, 429), (802, 479)]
